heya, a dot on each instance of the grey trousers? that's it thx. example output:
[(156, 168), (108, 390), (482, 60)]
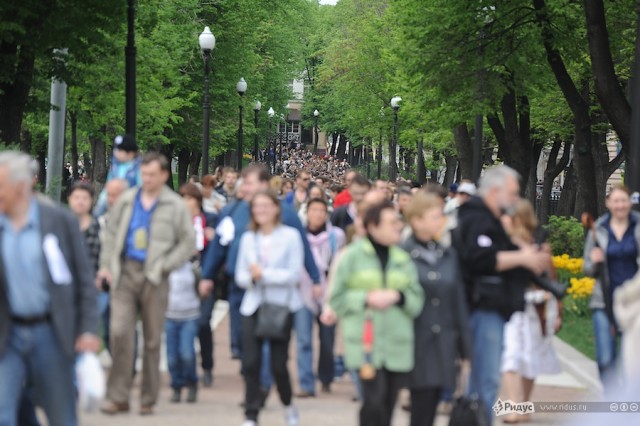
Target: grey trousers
[(135, 294)]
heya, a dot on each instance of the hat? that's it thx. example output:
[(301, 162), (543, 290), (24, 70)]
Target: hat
[(467, 188), (453, 188), (125, 143)]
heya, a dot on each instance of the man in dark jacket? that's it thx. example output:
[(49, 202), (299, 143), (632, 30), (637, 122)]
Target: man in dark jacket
[(344, 216), (487, 258), (48, 307)]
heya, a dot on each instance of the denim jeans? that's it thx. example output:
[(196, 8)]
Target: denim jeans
[(487, 329), (303, 320), (266, 378), (27, 411), (181, 354), (235, 300), (606, 350), (103, 314), (205, 333), (33, 353)]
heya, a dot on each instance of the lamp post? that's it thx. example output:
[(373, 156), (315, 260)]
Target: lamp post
[(241, 87), (380, 155), (272, 164), (207, 43), (393, 166), (316, 114), (130, 72), (256, 147), (380, 145)]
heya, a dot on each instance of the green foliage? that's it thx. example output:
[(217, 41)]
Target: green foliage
[(566, 236)]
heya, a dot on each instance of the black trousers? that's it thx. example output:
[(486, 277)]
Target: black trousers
[(205, 334), (424, 403), (379, 397), (251, 362)]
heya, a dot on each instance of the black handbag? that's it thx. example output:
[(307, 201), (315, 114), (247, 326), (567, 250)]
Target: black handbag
[(468, 412), (274, 321)]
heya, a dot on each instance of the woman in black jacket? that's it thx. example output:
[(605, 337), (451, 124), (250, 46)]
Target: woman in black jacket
[(441, 331)]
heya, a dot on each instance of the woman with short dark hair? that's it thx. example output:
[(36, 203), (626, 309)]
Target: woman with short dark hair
[(376, 295)]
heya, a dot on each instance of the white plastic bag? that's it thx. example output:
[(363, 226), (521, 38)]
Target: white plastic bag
[(91, 381)]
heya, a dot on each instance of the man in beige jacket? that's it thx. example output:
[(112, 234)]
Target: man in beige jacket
[(149, 234)]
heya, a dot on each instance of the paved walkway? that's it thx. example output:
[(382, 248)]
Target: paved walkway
[(219, 405)]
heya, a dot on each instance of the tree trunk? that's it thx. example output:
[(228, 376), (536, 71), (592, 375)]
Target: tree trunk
[(567, 202), (610, 94), (88, 167), (603, 167), (514, 136), (42, 173), (14, 93), (341, 150), (184, 155), (451, 162), (220, 158), (532, 185), (551, 172), (465, 151), (73, 119), (579, 105), (334, 139), (167, 151), (194, 162), (421, 171), (99, 160), (26, 142)]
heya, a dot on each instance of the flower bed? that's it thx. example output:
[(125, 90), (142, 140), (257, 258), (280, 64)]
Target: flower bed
[(577, 329)]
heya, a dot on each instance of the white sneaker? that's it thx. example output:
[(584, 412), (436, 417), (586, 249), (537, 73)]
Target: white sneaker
[(291, 415), (249, 423)]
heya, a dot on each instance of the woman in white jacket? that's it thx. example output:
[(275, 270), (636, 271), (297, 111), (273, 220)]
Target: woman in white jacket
[(270, 261)]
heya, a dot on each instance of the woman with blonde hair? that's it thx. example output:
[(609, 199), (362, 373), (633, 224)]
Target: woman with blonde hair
[(275, 184), (528, 349), (442, 329)]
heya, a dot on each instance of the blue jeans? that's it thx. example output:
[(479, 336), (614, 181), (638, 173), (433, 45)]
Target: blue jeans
[(235, 300), (303, 320), (487, 329), (606, 350), (103, 313), (205, 334), (181, 354), (266, 377), (33, 354)]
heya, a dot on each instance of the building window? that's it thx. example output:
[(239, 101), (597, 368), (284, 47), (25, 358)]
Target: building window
[(296, 128)]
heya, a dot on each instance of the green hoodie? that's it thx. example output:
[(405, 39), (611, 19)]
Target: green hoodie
[(358, 272)]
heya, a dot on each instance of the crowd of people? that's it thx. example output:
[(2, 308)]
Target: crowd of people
[(418, 287)]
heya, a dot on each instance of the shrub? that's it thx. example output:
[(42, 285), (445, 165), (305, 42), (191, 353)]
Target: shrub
[(566, 236)]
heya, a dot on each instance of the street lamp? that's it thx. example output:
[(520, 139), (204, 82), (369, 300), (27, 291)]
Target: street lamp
[(241, 87), (271, 113), (316, 114), (256, 148), (207, 43), (380, 145), (393, 166)]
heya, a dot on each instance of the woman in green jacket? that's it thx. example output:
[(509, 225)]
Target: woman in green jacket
[(376, 295)]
